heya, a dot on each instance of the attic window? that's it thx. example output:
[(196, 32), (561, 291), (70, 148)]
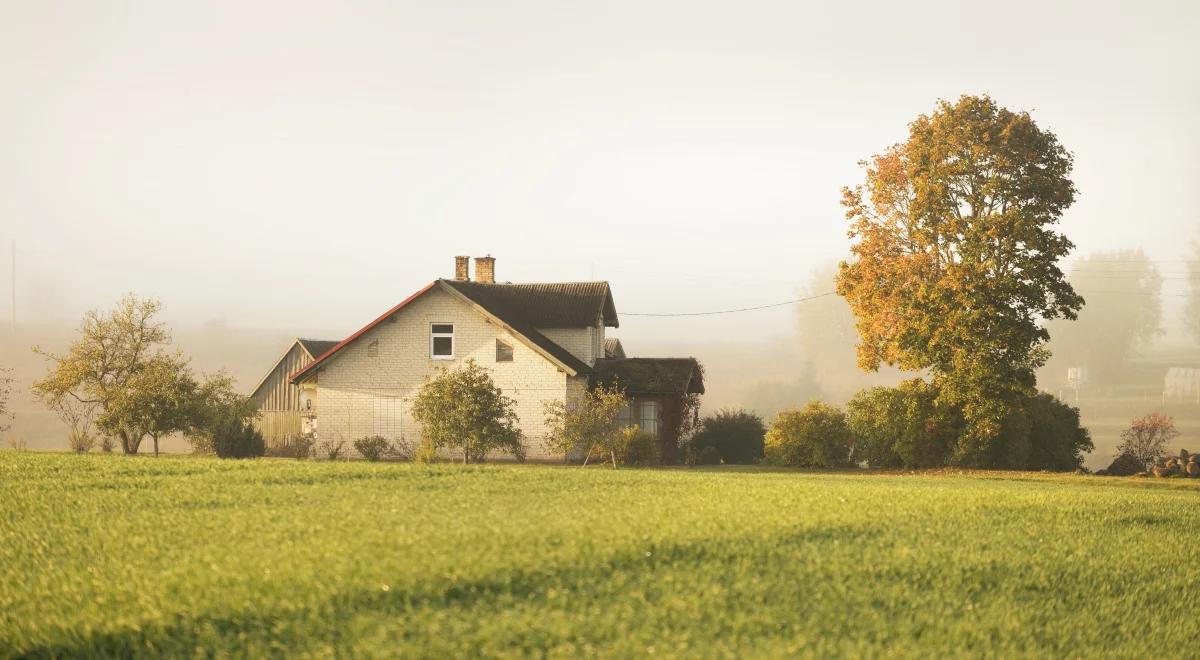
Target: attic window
[(373, 349), (441, 341), (504, 352)]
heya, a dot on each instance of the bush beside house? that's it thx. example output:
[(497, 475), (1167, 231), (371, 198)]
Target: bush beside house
[(736, 436), (815, 436)]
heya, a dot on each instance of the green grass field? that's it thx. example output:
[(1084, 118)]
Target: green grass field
[(106, 555)]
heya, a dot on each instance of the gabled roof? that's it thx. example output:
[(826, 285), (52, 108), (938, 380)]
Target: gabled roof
[(650, 375), (501, 313), (314, 347), (312, 366), (613, 348), (317, 347), (517, 324), (550, 305)]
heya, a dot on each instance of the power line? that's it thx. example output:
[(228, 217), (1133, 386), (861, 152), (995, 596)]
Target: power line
[(732, 311)]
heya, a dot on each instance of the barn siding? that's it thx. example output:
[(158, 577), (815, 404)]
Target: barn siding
[(279, 400)]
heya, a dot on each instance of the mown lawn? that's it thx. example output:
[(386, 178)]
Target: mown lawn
[(106, 555)]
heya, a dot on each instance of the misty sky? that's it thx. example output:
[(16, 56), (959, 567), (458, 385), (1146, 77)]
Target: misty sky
[(303, 167)]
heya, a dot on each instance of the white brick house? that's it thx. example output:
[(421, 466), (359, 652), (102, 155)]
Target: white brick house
[(541, 342)]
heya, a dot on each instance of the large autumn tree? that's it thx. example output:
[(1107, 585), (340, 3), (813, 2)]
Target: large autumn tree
[(954, 259)]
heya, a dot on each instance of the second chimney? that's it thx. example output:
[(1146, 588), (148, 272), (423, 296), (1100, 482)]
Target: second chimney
[(462, 266), (485, 269)]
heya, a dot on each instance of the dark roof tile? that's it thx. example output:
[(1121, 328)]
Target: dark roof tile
[(550, 305), (650, 375)]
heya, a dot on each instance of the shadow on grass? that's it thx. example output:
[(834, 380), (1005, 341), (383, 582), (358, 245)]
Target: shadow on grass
[(288, 631)]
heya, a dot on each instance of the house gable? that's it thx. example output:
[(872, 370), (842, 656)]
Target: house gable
[(516, 329)]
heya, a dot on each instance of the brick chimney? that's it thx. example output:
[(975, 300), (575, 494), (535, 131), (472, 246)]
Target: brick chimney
[(462, 266), (485, 269)]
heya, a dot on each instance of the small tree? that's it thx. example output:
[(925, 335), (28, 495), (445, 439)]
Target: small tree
[(815, 436), (1147, 437), (737, 435), (155, 401), (591, 422), (105, 364), (463, 408)]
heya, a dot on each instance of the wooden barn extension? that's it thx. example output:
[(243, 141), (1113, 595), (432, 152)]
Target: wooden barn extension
[(281, 416)]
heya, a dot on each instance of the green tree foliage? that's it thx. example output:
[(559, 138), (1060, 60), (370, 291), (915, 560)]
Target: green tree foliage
[(954, 259), (589, 425), (464, 409), (156, 401), (902, 426), (907, 426), (108, 361), (1123, 289), (120, 371), (814, 436), (1057, 442), (736, 435), (1146, 438), (236, 438), (215, 404)]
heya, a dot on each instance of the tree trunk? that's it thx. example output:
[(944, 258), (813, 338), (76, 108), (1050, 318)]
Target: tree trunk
[(155, 445)]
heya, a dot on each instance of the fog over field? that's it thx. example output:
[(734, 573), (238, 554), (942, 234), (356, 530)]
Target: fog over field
[(690, 154)]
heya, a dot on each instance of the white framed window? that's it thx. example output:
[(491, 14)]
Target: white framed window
[(441, 341), (626, 418), (504, 352), (650, 417)]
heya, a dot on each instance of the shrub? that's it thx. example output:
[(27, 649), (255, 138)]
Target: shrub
[(902, 426), (1056, 440), (1147, 437), (81, 441), (234, 438), (637, 447), (425, 451), (302, 447), (708, 455), (107, 444), (736, 436), (372, 447), (333, 449), (815, 436)]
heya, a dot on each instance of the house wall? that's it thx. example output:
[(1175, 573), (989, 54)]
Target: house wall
[(587, 344), (368, 387)]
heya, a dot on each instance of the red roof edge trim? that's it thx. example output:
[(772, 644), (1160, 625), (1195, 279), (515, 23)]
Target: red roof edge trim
[(327, 354)]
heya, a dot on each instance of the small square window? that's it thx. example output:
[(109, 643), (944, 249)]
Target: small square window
[(373, 349), (504, 352), (441, 341)]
